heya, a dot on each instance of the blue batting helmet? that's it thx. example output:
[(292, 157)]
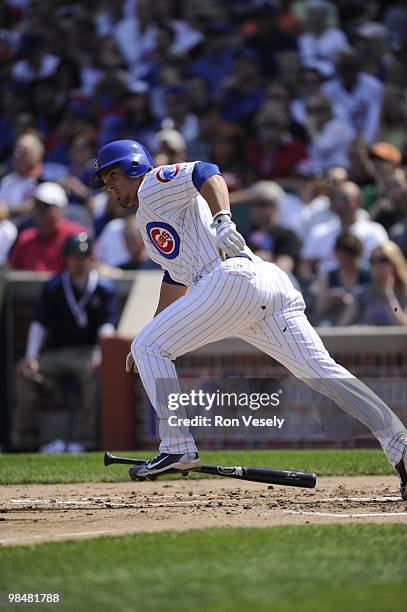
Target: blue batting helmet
[(132, 157)]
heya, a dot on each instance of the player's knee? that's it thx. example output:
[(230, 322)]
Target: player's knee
[(143, 345), (138, 348)]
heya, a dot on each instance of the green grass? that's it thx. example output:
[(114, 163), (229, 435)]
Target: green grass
[(36, 468), (360, 568)]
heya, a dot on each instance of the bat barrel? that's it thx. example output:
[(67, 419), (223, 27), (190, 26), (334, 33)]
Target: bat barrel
[(289, 478)]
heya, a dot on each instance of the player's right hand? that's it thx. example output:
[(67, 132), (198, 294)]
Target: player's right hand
[(131, 364), (228, 238)]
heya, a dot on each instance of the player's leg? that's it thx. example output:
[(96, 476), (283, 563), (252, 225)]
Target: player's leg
[(287, 336), (213, 309)]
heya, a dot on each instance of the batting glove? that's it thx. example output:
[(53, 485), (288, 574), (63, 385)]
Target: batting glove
[(228, 238), (131, 364)]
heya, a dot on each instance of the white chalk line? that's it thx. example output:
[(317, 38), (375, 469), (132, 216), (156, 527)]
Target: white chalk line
[(66, 534), (345, 515), (108, 505), (74, 501), (384, 498)]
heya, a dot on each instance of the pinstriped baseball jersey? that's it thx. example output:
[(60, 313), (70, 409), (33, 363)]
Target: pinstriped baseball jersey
[(243, 297), (175, 223)]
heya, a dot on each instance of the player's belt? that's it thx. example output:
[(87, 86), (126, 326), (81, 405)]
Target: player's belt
[(241, 255)]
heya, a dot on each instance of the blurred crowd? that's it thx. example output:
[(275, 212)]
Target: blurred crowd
[(301, 103)]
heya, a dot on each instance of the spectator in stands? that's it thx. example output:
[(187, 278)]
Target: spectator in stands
[(216, 59), (243, 92), (346, 201), (398, 233), (385, 158), (209, 123), (308, 85), (178, 115), (186, 37), (274, 151), (266, 198), (138, 258), (261, 244), (131, 118), (16, 188), (110, 247), (13, 109), (393, 117), (302, 194), (267, 38), (330, 135), (289, 69), (334, 289), (8, 234), (395, 20), (47, 104), (320, 43), (390, 208), (76, 309), (198, 94), (40, 248), (357, 94), (372, 48), (133, 33), (228, 152), (381, 161), (171, 147), (319, 208), (36, 62), (170, 77), (384, 300), (361, 169), (81, 152)]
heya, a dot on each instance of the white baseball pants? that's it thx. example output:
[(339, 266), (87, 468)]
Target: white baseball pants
[(256, 302)]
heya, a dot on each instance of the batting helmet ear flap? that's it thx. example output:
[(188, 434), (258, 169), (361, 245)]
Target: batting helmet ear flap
[(134, 165)]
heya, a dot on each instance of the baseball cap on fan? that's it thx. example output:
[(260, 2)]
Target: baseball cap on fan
[(172, 138), (385, 152), (51, 194)]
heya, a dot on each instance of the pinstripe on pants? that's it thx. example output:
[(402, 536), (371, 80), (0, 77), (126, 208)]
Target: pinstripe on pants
[(258, 303)]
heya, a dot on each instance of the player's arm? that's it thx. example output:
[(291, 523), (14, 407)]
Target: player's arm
[(213, 189), (168, 294)]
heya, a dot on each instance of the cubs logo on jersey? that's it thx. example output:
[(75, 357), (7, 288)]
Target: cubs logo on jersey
[(165, 174), (165, 239)]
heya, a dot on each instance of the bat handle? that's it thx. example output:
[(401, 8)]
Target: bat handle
[(108, 459)]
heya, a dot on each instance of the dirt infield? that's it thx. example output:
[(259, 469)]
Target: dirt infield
[(38, 513)]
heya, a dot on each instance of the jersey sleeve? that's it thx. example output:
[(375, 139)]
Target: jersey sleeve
[(202, 172)]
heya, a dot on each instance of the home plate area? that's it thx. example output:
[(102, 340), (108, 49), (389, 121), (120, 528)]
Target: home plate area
[(35, 513)]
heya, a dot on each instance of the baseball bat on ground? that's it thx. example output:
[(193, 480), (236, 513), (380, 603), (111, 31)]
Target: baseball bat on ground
[(288, 478)]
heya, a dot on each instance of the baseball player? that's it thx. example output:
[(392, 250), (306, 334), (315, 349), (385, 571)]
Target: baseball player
[(214, 287)]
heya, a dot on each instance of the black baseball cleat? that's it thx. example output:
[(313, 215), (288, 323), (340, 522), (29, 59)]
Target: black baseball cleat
[(164, 462), (401, 469)]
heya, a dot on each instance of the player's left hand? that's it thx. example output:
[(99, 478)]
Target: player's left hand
[(228, 238), (130, 363)]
